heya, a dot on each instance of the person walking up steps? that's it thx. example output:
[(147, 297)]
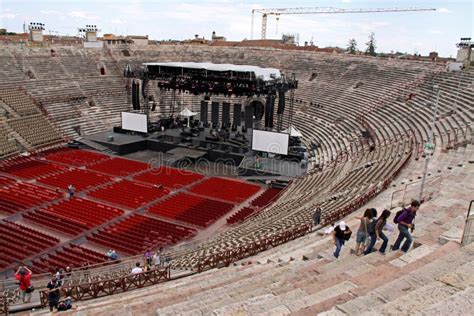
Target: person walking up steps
[(405, 223), (378, 233), (340, 234), (371, 232), (362, 232)]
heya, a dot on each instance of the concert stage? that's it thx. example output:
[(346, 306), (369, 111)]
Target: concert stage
[(169, 141), (177, 150)]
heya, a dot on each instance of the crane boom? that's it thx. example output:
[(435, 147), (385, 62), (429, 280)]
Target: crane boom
[(323, 10)]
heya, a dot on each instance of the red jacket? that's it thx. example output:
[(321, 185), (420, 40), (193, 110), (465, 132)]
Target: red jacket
[(24, 281)]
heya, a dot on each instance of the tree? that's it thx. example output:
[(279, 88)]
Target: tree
[(352, 46), (371, 45)]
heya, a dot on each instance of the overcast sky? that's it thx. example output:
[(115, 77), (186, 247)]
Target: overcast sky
[(410, 32)]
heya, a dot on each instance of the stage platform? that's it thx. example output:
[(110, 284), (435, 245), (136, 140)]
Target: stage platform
[(250, 166), (172, 149)]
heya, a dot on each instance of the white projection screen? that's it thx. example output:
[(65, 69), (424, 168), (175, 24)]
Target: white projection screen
[(271, 142), (134, 122)]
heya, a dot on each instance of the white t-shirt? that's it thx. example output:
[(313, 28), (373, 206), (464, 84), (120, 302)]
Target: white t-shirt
[(157, 259), (137, 270)]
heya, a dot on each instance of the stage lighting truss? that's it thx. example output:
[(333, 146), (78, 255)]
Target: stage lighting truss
[(213, 83)]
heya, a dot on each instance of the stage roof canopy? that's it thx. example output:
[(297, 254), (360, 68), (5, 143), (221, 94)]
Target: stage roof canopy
[(266, 74)]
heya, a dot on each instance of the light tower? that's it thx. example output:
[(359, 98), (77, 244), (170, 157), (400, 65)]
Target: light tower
[(90, 34), (465, 54), (36, 31)]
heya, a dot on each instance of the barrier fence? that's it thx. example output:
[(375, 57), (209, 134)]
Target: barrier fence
[(86, 291), (411, 191), (3, 305), (225, 258)]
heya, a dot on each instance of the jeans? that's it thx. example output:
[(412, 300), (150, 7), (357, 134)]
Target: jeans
[(373, 239), (317, 219), (25, 297), (385, 242), (339, 244), (404, 233)]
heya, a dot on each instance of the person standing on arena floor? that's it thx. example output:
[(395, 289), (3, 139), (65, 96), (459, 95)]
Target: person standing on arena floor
[(340, 234), (362, 232), (71, 189), (405, 224), (23, 275)]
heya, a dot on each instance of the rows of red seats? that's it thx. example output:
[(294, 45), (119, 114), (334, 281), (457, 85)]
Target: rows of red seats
[(19, 196), (52, 222), (241, 215), (86, 212), (128, 193), (79, 178), (119, 166), (18, 242), (29, 168), (266, 197), (138, 232), (4, 181), (71, 256), (225, 189), (77, 157), (169, 177), (191, 209)]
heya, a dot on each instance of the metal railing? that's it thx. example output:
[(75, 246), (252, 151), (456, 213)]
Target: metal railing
[(411, 192), (468, 234), (86, 291)]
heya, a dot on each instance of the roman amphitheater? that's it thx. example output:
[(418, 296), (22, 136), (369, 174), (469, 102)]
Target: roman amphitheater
[(235, 244)]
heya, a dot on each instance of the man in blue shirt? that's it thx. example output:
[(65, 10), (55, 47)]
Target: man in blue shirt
[(405, 223)]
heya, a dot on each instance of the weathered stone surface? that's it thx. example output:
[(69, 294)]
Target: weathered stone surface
[(462, 278), (413, 255), (418, 299), (323, 295), (461, 303)]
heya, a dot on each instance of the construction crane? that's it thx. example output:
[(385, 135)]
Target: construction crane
[(322, 10)]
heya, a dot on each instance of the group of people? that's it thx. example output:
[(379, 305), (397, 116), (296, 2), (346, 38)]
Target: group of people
[(372, 228), (54, 294), (152, 261), (23, 275)]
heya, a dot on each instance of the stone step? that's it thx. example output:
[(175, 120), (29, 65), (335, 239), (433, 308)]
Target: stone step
[(258, 306), (321, 296), (244, 285), (417, 300), (399, 282), (413, 255), (457, 304)]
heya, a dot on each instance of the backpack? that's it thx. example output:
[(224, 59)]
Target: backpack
[(397, 215), (348, 235)]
